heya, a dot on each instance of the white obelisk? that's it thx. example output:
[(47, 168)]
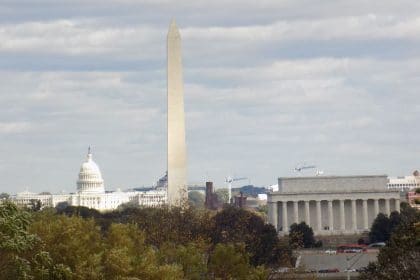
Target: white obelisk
[(177, 154)]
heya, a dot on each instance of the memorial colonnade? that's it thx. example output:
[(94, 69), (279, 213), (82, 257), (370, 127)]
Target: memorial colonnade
[(346, 213)]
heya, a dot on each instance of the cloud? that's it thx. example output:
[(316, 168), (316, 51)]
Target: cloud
[(13, 127), (80, 37), (76, 38), (361, 27), (267, 85)]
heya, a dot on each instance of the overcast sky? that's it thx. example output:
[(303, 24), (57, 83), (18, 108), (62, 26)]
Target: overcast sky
[(267, 86)]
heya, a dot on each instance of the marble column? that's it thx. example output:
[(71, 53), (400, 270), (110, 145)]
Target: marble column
[(376, 206), (354, 214), (318, 215), (307, 213), (273, 214), (330, 215), (387, 207), (296, 211), (397, 205), (285, 223), (365, 215), (342, 216)]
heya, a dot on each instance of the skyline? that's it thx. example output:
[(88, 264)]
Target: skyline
[(273, 86)]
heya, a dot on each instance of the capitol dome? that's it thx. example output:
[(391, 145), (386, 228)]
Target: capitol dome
[(90, 177)]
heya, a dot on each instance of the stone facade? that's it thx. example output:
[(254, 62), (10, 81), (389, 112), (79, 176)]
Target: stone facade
[(331, 204)]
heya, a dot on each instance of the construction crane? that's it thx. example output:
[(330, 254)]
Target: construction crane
[(303, 167), (299, 168), (229, 180)]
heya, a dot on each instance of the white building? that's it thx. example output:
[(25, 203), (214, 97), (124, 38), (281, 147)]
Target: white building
[(405, 182), (91, 193), (331, 204)]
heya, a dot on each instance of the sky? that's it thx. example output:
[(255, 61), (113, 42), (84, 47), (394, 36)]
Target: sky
[(269, 85)]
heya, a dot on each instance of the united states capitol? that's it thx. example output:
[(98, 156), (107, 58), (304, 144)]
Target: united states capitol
[(91, 192)]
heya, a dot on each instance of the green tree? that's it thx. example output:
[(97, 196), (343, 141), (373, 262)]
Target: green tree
[(161, 225), (15, 240), (301, 235), (196, 199), (232, 262), (126, 255), (394, 220), (381, 229), (234, 225), (399, 259), (4, 196), (21, 255), (35, 205), (79, 211), (192, 258), (223, 195), (72, 241)]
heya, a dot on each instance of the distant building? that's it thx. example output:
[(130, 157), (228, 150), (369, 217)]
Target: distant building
[(331, 204), (91, 193), (240, 200), (413, 199), (405, 183), (211, 200)]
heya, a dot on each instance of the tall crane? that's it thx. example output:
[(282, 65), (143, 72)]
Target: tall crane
[(302, 167), (229, 180), (299, 168)]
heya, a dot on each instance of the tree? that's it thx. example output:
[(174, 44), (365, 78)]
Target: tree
[(35, 205), (223, 195), (230, 262), (192, 258), (21, 255), (14, 237), (301, 235), (126, 255), (4, 196), (79, 211), (234, 225), (399, 259), (164, 224), (72, 241), (381, 229), (196, 199)]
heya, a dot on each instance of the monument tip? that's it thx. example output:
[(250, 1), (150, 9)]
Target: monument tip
[(173, 28)]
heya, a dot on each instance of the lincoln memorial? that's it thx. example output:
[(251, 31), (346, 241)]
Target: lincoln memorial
[(331, 205)]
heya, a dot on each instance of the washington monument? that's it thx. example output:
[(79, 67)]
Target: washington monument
[(177, 154)]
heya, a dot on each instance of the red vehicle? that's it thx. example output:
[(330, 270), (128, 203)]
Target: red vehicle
[(351, 248)]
